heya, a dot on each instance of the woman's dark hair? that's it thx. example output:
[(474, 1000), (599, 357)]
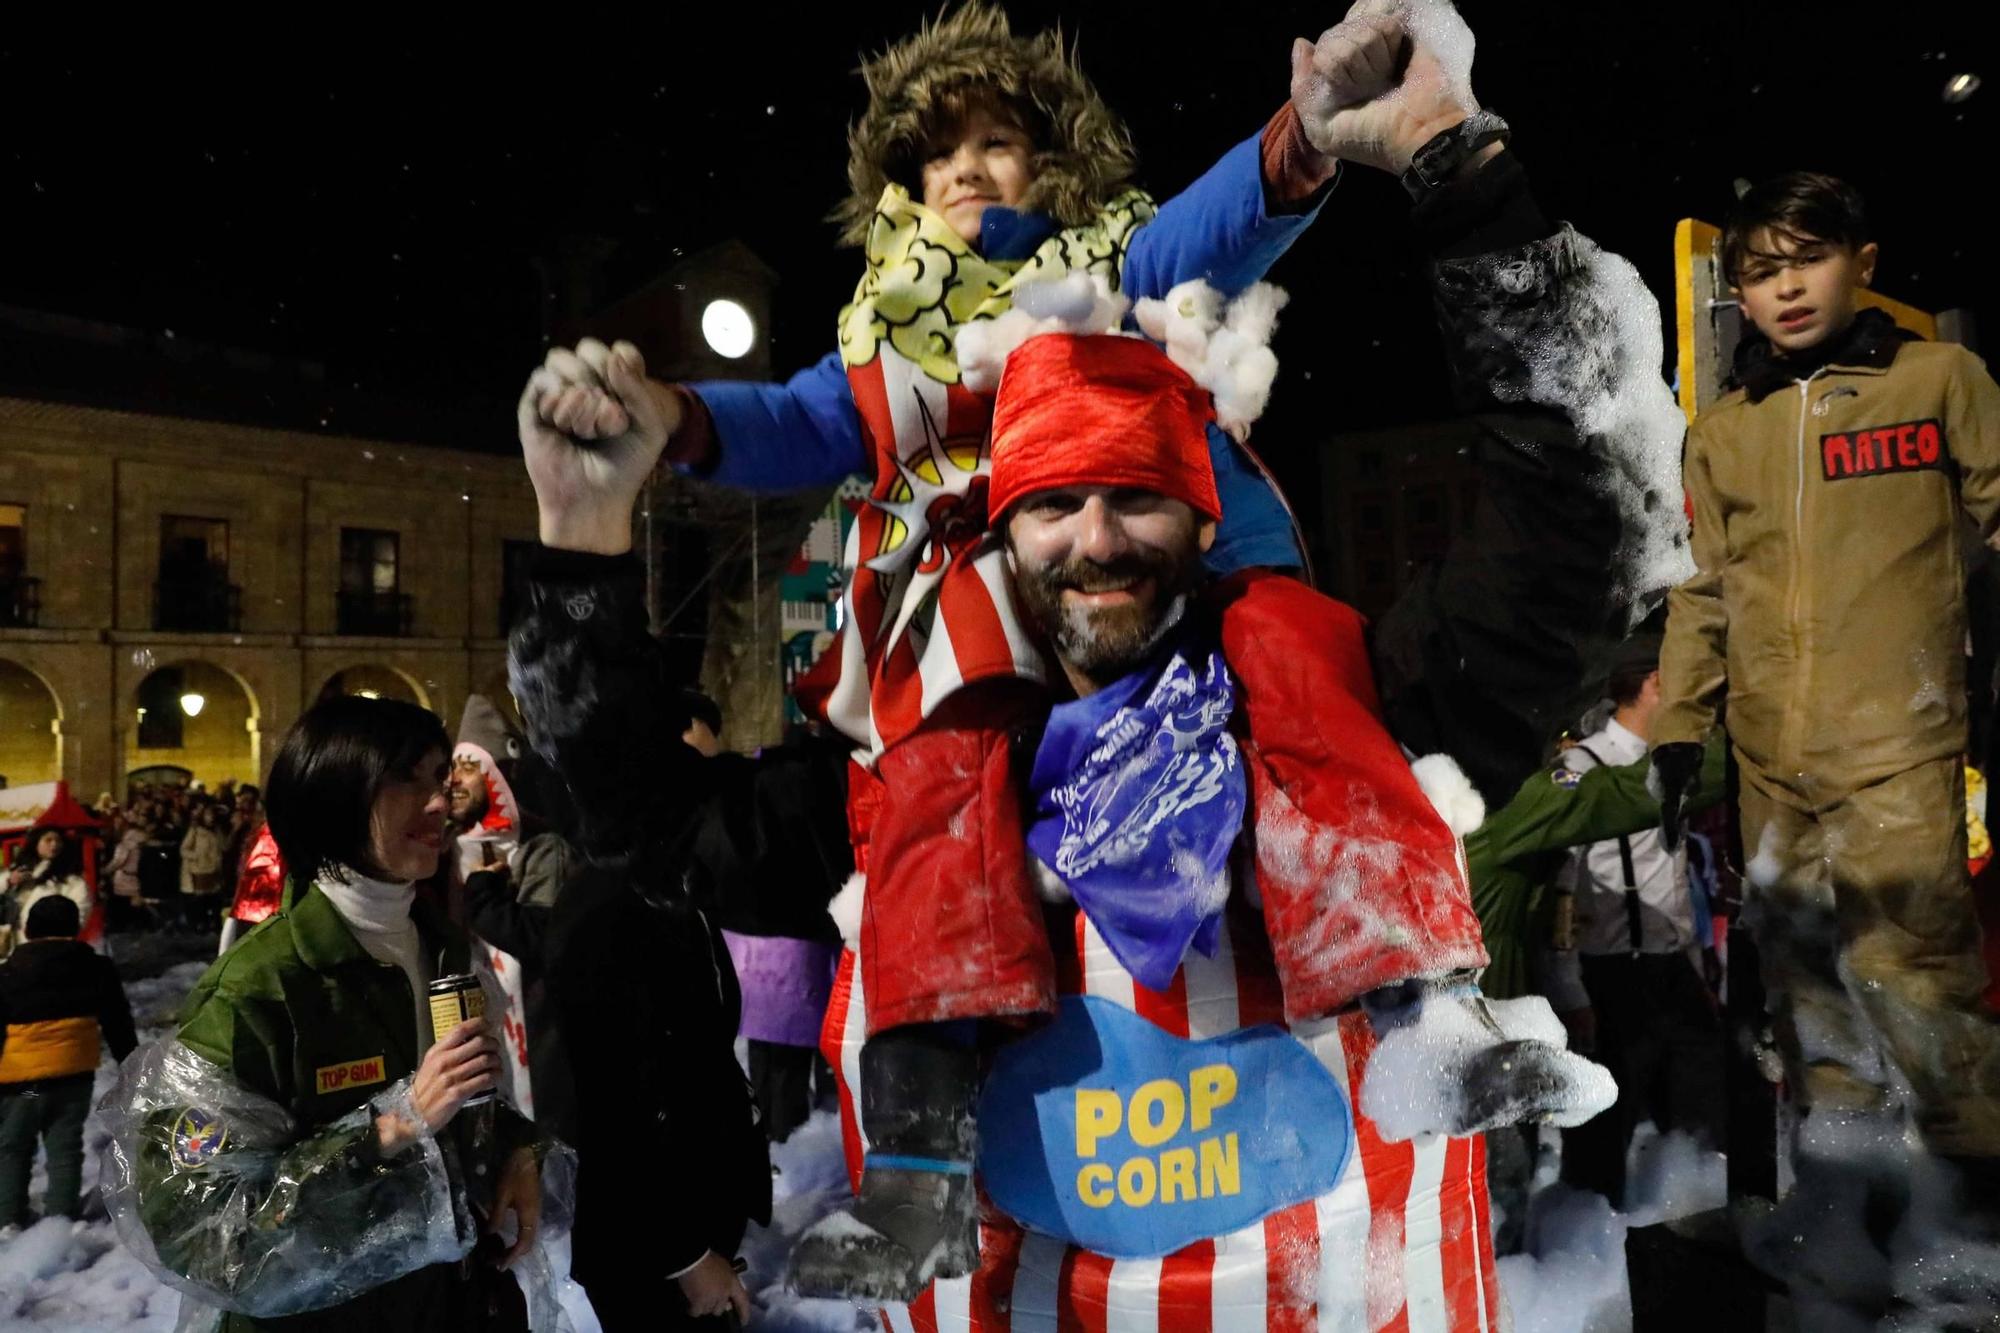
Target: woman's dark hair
[(66, 864), (331, 766), (1801, 207)]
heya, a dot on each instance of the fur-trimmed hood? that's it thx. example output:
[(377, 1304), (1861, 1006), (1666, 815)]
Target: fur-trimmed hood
[(1085, 162)]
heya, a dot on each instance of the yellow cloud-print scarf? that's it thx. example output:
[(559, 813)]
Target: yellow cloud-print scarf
[(924, 281)]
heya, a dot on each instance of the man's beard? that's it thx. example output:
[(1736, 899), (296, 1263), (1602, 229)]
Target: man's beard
[(465, 815), (1106, 643)]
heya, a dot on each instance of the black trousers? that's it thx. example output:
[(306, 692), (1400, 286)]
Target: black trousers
[(1659, 1034), (781, 1079)]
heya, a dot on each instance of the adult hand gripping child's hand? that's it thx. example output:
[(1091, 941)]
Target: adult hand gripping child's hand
[(592, 426), (1376, 87)]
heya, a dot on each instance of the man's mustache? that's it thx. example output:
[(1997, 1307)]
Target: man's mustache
[(1087, 576)]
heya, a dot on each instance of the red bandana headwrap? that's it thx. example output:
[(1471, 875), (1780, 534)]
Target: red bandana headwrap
[(1100, 410)]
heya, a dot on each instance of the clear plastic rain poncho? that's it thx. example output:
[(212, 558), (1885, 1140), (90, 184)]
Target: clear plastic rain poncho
[(219, 1192)]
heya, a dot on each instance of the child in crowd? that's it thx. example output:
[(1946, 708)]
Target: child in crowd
[(61, 1004)]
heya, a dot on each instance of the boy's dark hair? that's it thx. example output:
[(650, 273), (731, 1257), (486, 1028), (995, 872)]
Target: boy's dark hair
[(52, 916), (1799, 206), (1627, 682), (331, 766), (700, 708)]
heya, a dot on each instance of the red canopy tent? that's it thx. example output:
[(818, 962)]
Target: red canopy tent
[(43, 805)]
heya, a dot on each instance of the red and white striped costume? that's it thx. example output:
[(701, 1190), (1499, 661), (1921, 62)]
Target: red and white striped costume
[(928, 607), (1404, 1243)]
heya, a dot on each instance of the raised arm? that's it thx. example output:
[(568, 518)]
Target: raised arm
[(592, 682), (1551, 812), (1576, 531), (1225, 228), (1235, 221), (770, 438)]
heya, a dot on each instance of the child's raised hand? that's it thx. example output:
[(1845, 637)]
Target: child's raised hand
[(592, 427), (1384, 80)]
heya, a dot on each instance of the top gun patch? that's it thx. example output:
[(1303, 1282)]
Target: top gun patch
[(350, 1074), (198, 1137), (1910, 446)]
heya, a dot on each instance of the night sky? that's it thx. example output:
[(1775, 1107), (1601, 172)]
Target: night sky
[(386, 206)]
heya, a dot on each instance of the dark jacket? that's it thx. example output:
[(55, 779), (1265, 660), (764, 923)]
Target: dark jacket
[(775, 843), (1492, 650), (642, 987), (515, 916), (60, 1003)]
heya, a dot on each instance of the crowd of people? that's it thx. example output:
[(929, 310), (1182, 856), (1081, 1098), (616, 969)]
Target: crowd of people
[(176, 852), (1111, 825)]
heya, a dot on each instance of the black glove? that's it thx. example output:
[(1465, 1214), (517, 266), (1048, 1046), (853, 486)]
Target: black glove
[(1676, 768)]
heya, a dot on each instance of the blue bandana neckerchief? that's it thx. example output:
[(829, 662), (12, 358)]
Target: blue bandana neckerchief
[(1139, 795)]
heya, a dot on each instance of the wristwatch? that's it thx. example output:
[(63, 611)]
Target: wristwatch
[(1438, 160)]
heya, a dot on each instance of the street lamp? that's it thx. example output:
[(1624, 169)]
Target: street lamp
[(192, 703), (728, 328)]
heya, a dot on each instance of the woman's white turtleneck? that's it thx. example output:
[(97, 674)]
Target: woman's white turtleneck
[(378, 912)]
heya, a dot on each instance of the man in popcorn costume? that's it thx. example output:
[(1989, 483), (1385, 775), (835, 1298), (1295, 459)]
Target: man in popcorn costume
[(1355, 886), (1224, 749)]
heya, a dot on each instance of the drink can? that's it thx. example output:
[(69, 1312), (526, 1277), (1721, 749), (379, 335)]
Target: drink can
[(457, 999)]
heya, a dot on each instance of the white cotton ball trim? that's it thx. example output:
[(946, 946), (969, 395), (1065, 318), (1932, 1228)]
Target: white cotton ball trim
[(1078, 303), (1225, 348), (1457, 801), (845, 909)]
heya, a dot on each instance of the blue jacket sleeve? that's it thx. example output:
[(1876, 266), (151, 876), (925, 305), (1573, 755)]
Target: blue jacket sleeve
[(1217, 229), (785, 437)]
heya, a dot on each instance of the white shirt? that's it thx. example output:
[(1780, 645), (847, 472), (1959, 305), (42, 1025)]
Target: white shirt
[(1596, 875), (378, 912)]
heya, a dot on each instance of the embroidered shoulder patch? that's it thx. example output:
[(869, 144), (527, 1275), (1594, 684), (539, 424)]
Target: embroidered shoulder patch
[(1566, 778), (198, 1137), (350, 1074)]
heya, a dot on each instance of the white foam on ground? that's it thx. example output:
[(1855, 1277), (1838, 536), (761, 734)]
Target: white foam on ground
[(1572, 1278)]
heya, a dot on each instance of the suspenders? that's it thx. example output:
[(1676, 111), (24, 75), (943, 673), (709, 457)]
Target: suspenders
[(1633, 924)]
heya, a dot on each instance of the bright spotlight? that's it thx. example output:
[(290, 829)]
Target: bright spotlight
[(1960, 86), (192, 704), (728, 328)]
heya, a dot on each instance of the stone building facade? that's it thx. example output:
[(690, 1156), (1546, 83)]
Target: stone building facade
[(224, 577)]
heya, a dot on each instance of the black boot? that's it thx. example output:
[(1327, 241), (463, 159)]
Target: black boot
[(917, 1215)]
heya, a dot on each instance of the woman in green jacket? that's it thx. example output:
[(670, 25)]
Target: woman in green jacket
[(300, 1154)]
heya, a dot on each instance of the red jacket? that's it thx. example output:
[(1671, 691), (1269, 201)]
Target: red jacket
[(260, 890)]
